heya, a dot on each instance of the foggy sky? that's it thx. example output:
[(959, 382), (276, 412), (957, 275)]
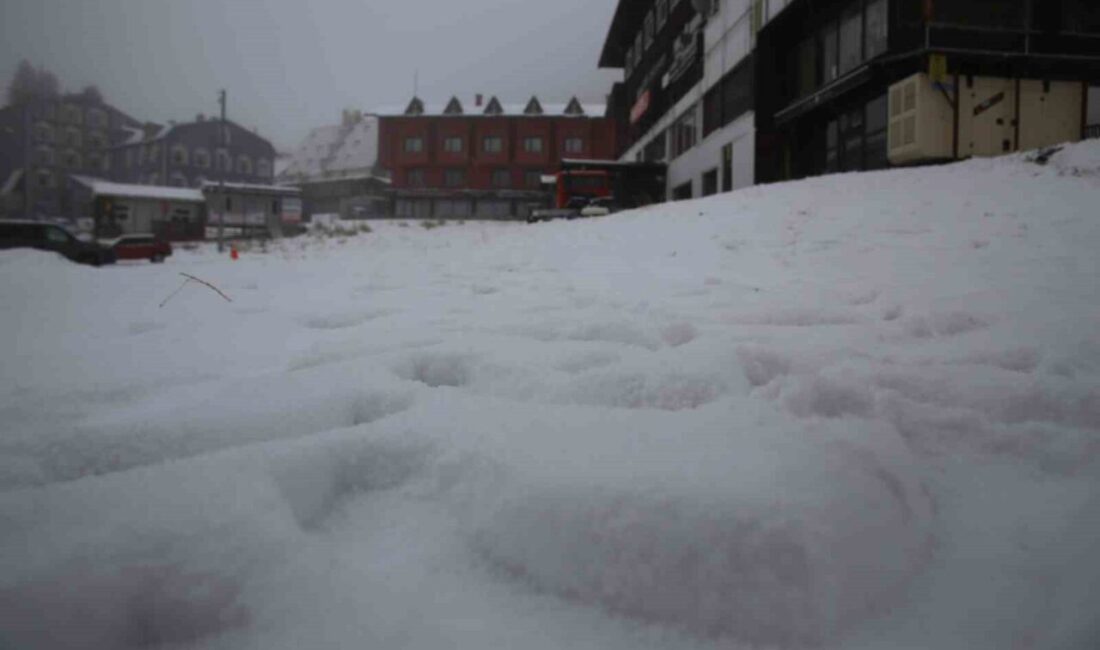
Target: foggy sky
[(290, 65)]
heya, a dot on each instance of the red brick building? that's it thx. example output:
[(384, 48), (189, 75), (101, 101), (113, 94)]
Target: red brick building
[(486, 161)]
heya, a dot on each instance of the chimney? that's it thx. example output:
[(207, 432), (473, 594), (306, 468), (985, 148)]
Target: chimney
[(478, 102)]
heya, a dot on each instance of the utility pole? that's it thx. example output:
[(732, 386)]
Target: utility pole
[(221, 175)]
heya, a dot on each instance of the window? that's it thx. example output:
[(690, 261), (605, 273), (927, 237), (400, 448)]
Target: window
[(492, 144), (502, 178), (179, 155), (532, 145), (851, 39), (727, 168), (97, 140), (1082, 16), (72, 114), (661, 13), (682, 192), (628, 62), (452, 208), (130, 158), (414, 145), (573, 145), (224, 163), (876, 123), (71, 159), (73, 137), (414, 178), (244, 164), (95, 162), (97, 119), (43, 133), (43, 155), (710, 182), (56, 236), (877, 35), (45, 178), (832, 145), (639, 48), (106, 166), (648, 30), (201, 158), (154, 153), (178, 180), (454, 177), (263, 167), (683, 132), (452, 145), (532, 179), (657, 148), (830, 68)]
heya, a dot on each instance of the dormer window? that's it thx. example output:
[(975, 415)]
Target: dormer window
[(533, 107), (415, 107), (494, 107), (454, 107)]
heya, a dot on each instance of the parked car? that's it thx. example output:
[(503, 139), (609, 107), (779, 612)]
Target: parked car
[(600, 207), (52, 237), (140, 247)]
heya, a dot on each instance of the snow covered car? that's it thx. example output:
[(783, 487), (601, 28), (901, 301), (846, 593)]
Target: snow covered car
[(140, 247), (52, 237), (600, 207)]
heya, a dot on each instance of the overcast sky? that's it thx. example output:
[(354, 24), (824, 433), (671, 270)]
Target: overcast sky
[(290, 65)]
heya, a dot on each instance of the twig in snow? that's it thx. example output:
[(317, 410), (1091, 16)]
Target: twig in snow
[(191, 278)]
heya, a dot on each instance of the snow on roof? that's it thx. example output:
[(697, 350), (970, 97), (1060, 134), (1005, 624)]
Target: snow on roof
[(134, 135), (337, 149), (471, 109), (252, 187), (106, 188)]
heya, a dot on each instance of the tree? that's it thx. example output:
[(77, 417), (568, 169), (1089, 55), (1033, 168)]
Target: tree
[(30, 83), (24, 85)]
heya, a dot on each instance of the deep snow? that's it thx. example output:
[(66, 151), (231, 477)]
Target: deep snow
[(857, 412)]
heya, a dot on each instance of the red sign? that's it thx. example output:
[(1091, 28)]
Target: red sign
[(640, 107)]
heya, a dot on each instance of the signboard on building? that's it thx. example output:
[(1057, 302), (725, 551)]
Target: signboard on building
[(291, 210)]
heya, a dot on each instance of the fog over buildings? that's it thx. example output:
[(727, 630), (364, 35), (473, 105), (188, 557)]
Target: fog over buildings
[(291, 65)]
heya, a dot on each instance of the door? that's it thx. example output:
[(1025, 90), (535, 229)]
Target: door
[(987, 119)]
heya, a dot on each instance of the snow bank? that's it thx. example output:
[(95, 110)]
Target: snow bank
[(860, 411)]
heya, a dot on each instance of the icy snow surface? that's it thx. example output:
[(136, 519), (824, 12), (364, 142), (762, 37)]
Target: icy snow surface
[(853, 412)]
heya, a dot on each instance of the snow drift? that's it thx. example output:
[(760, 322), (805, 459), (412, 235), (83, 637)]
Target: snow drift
[(860, 411)]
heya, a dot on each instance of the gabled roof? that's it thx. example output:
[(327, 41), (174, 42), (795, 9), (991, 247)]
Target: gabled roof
[(415, 107), (454, 107), (574, 107), (533, 107), (494, 107)]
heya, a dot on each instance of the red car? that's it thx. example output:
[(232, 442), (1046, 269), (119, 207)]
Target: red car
[(141, 247)]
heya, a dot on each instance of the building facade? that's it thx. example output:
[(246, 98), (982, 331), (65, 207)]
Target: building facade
[(852, 85), (736, 92), (488, 161), (190, 154), (43, 141)]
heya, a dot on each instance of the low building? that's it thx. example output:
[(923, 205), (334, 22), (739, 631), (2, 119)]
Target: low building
[(172, 213), (487, 162), (190, 154), (336, 167), (251, 211)]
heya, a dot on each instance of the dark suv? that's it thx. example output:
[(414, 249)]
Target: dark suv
[(51, 237)]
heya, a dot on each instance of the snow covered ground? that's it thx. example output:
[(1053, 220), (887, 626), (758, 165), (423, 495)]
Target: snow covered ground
[(854, 412)]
